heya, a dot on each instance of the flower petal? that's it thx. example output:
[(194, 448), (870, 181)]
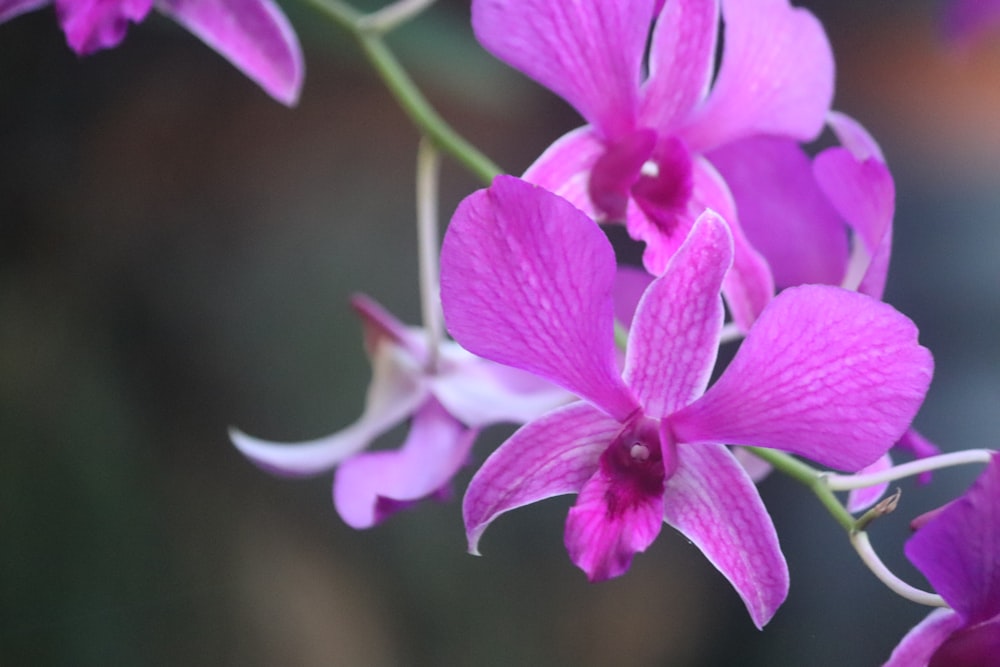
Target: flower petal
[(976, 646), (832, 375), (550, 456), (92, 26), (12, 8), (564, 168), (379, 326), (369, 487), (776, 76), (784, 214), (959, 549), (859, 500), (713, 502), (253, 35), (674, 338), (394, 394), (920, 643), (681, 59), (526, 280), (588, 53)]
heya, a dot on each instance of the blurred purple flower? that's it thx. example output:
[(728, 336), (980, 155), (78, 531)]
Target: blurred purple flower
[(447, 404), (958, 550), (645, 156), (527, 280), (965, 21), (253, 35)]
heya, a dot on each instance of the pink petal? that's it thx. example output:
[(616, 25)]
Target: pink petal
[(784, 214), (253, 35), (379, 326), (714, 503), (859, 500), (776, 76), (959, 549), (602, 540), (12, 8), (526, 280), (920, 643), (564, 168), (369, 487), (675, 335), (975, 646), (681, 59), (93, 25), (919, 447), (832, 375), (394, 394), (551, 456), (588, 53)]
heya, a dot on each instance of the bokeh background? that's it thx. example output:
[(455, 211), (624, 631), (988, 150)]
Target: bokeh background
[(176, 255)]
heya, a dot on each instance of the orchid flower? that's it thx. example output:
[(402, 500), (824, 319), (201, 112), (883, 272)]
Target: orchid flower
[(447, 404), (833, 375), (644, 156), (958, 550), (253, 35)]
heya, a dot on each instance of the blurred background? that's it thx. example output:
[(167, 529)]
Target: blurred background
[(176, 255)]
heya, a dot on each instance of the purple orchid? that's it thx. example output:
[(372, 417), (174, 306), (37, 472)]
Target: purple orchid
[(958, 550), (833, 375), (253, 35), (644, 157), (447, 404)]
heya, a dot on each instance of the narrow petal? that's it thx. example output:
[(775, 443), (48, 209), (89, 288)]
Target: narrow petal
[(98, 24), (919, 447), (564, 168), (859, 500), (674, 338), (526, 280), (756, 467), (379, 326), (832, 375), (776, 76), (681, 59), (253, 35), (369, 487), (12, 8), (782, 210), (713, 502), (394, 394), (603, 536), (551, 456), (920, 643), (959, 549), (589, 53)]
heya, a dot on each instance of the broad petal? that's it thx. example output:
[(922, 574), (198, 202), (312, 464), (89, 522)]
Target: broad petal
[(859, 500), (975, 646), (959, 549), (526, 280), (601, 540), (589, 53), (681, 59), (253, 35), (674, 338), (920, 643), (394, 394), (832, 375), (369, 487), (551, 456), (713, 502), (564, 168), (776, 76), (480, 392), (784, 214), (12, 8)]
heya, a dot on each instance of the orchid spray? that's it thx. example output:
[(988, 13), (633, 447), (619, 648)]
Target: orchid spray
[(750, 337)]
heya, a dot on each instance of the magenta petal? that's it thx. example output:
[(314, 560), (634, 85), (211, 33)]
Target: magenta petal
[(784, 214), (975, 646), (832, 375), (714, 503), (589, 53), (674, 338), (959, 549), (12, 8), (98, 24), (253, 35), (776, 76), (435, 449), (681, 58), (920, 643), (859, 500), (564, 168), (602, 535), (551, 456), (527, 280)]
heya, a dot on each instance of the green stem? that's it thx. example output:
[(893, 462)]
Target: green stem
[(409, 97), (811, 478)]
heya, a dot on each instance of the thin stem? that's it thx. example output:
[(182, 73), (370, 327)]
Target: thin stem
[(810, 477), (847, 482), (409, 97), (861, 544), (392, 16), (428, 176)]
